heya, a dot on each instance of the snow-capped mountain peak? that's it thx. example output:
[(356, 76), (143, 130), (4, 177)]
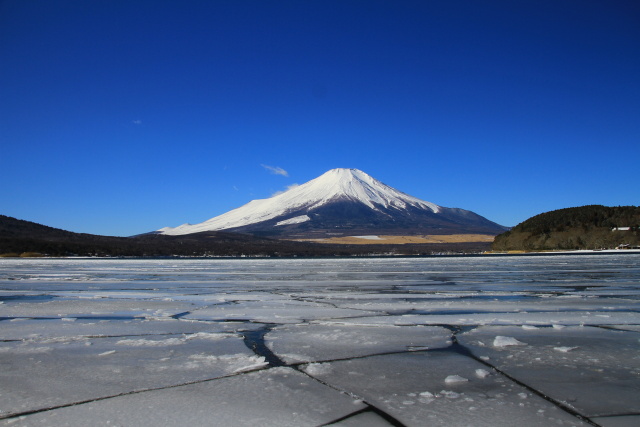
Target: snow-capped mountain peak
[(351, 191), (351, 184), (336, 184)]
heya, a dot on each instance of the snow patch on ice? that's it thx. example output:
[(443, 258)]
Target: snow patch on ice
[(455, 379), (564, 349), (142, 342), (214, 336), (150, 343), (482, 373), (235, 362), (501, 341), (449, 394), (317, 368)]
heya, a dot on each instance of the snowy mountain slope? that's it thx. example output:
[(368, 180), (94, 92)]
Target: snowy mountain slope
[(339, 199)]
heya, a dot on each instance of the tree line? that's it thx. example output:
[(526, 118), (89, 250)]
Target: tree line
[(585, 227)]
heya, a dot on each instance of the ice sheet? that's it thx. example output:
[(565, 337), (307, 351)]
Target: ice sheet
[(277, 397), (533, 319), (83, 307), (593, 370), (365, 419), (316, 342), (41, 373), (413, 389), (274, 312), (393, 340), (30, 329), (618, 421)]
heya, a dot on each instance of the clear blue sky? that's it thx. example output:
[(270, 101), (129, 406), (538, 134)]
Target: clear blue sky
[(120, 117)]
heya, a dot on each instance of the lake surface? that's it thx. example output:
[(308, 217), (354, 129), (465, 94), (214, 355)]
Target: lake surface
[(344, 341)]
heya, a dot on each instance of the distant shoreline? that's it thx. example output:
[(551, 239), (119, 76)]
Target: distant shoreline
[(566, 252), (373, 256)]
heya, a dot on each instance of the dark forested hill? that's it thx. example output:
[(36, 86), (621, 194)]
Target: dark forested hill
[(18, 228), (586, 227), (18, 237)]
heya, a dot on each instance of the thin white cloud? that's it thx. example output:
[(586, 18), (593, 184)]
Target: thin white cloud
[(289, 187), (276, 170), (136, 122)]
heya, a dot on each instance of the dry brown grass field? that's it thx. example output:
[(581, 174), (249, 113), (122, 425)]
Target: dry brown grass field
[(399, 240)]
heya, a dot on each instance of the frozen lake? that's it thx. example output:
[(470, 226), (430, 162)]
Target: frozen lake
[(452, 341)]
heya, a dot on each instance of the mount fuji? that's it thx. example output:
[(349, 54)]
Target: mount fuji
[(342, 202)]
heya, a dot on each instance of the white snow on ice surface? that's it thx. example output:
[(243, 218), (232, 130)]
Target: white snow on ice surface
[(198, 339), (455, 379), (482, 373), (501, 341), (564, 349)]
